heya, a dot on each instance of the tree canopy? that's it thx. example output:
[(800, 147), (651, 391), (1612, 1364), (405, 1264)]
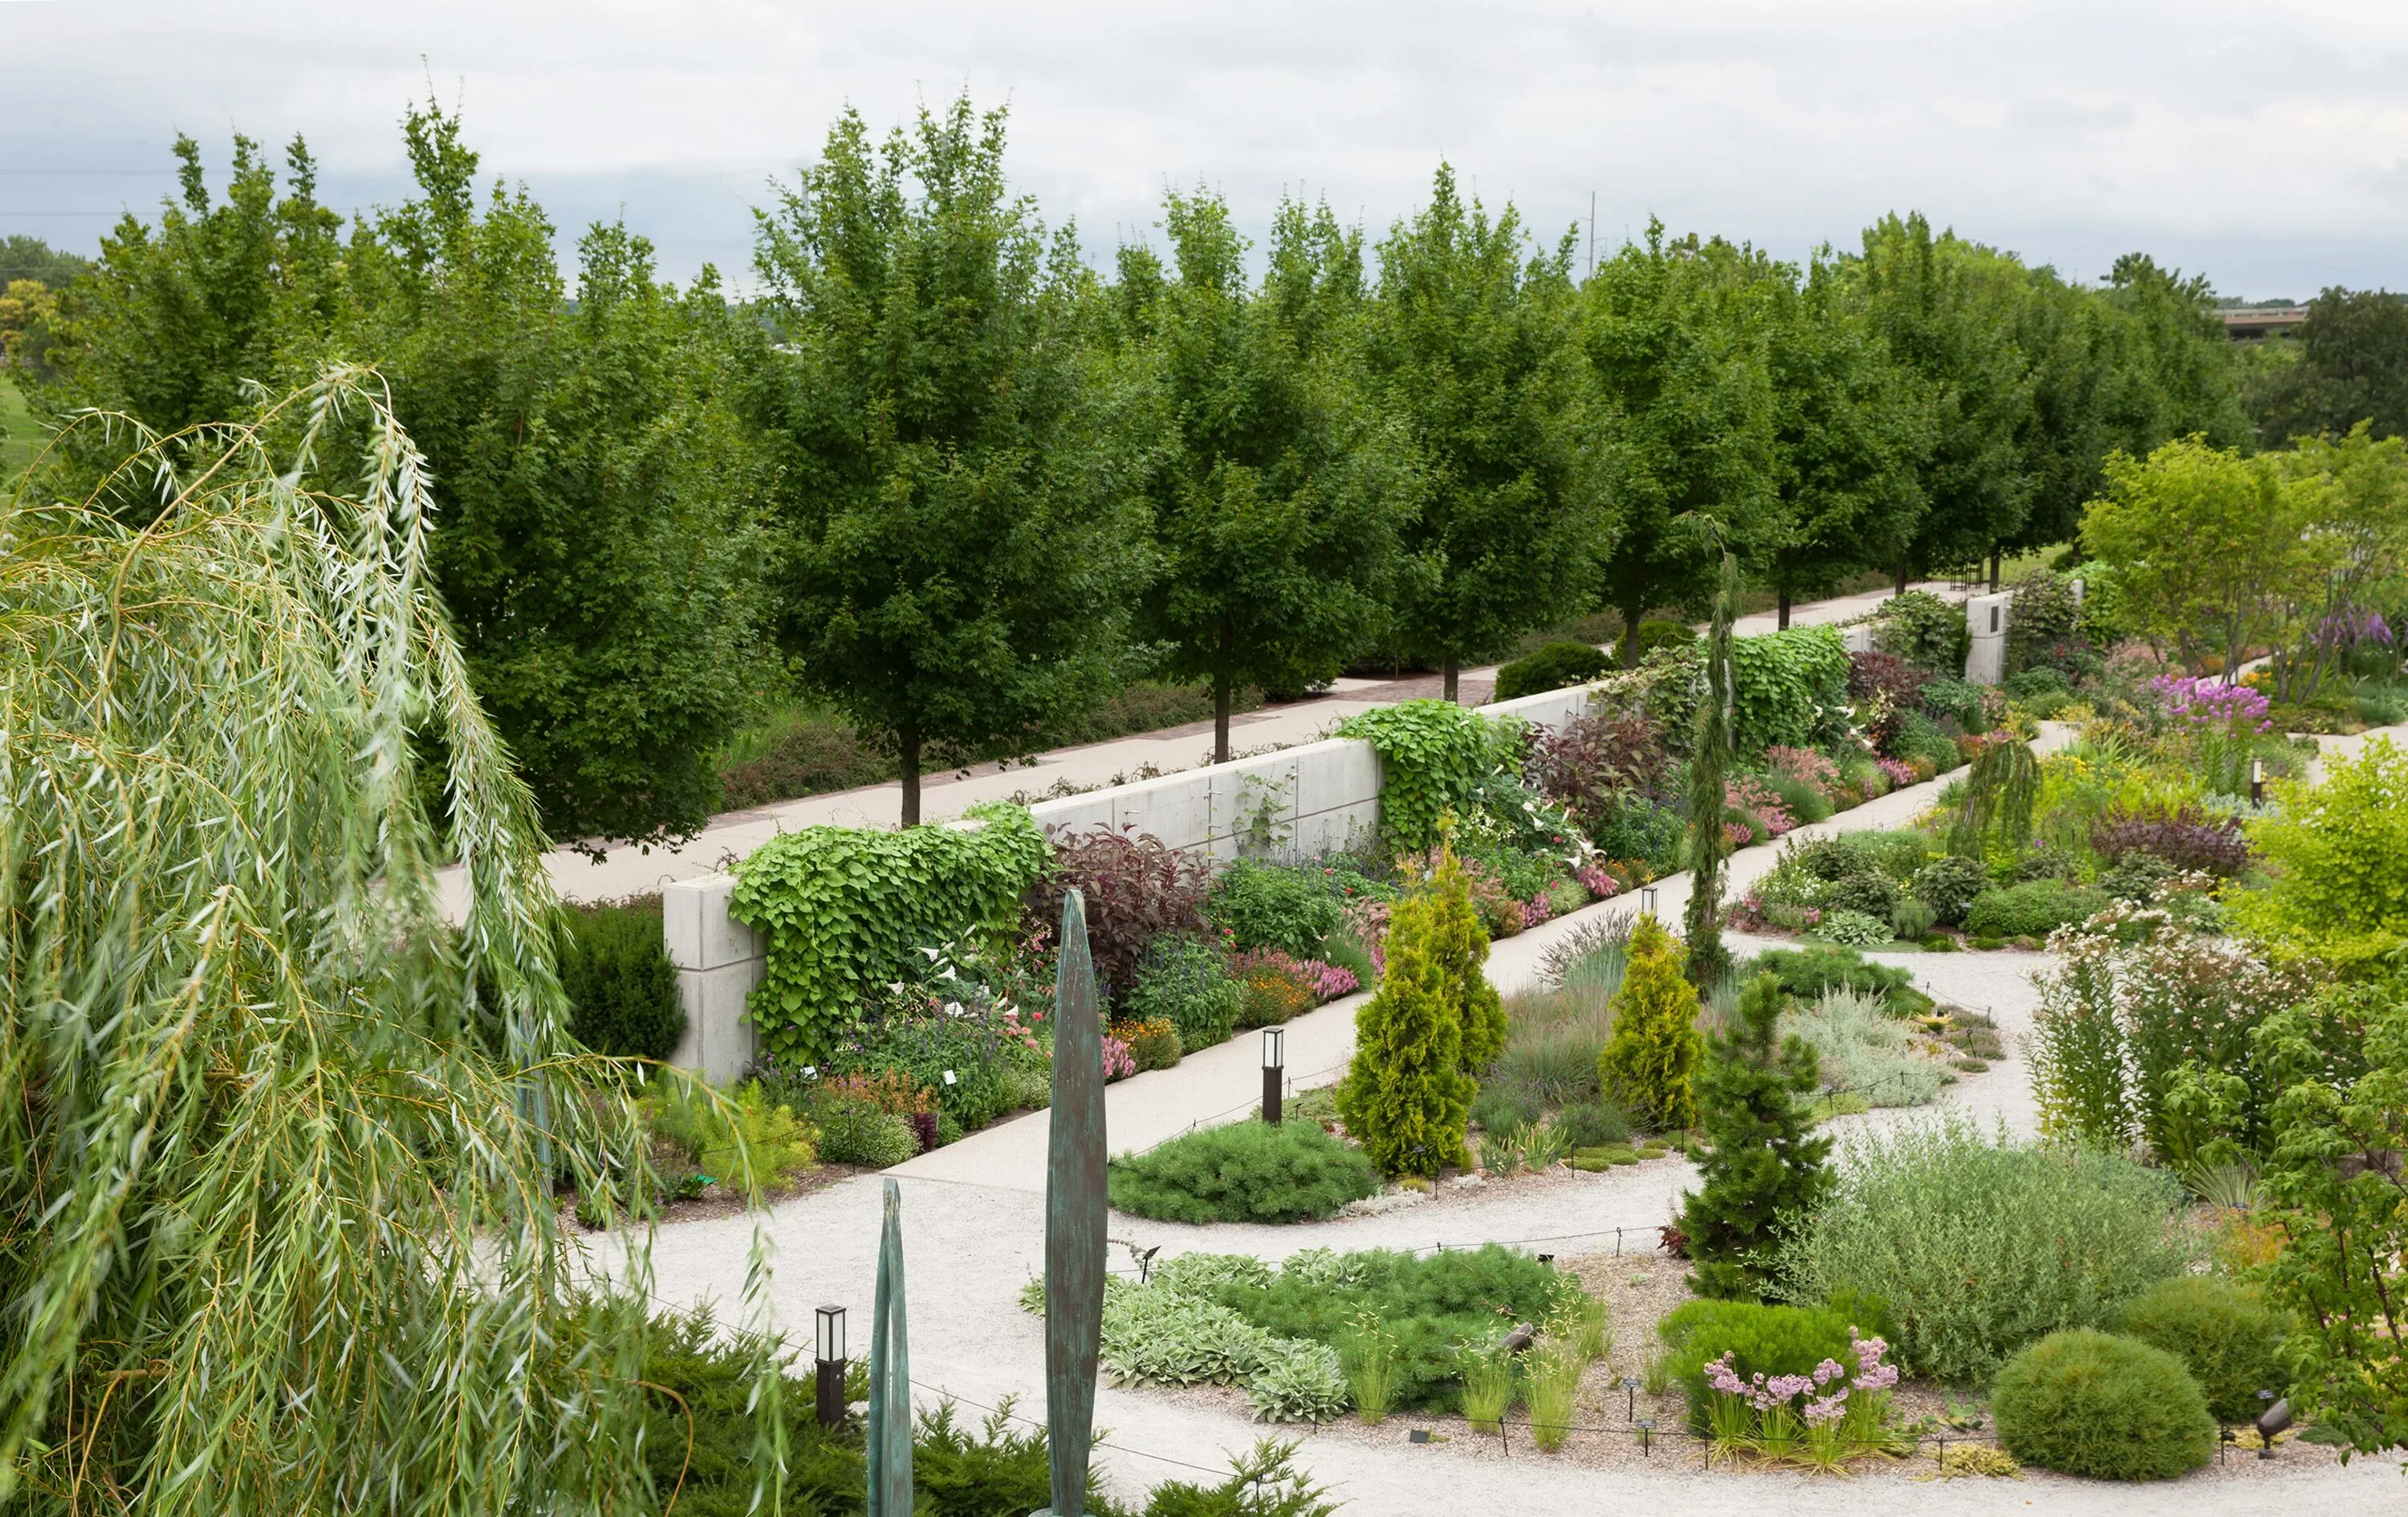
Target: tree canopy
[(960, 545), (1278, 488)]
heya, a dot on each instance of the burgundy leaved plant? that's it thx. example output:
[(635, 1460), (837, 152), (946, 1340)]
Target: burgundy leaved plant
[(2188, 838)]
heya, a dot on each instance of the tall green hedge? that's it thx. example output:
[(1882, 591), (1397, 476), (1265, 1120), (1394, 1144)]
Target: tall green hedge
[(1781, 684), (840, 906)]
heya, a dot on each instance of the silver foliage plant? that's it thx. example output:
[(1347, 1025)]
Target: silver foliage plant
[(279, 1228)]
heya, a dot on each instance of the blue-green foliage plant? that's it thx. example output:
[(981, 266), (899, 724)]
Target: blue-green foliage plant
[(840, 908), (2034, 909), (1432, 754), (1783, 682)]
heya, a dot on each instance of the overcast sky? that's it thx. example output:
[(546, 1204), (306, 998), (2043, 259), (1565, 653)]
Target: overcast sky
[(2264, 145)]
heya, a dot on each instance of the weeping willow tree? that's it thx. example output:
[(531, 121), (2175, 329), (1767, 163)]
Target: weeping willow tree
[(280, 1229)]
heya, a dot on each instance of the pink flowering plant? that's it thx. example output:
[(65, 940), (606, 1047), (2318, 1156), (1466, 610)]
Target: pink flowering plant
[(1327, 982), (1119, 1062), (1830, 1414), (2209, 703)]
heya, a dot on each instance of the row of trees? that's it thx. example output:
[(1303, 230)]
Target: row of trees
[(961, 484)]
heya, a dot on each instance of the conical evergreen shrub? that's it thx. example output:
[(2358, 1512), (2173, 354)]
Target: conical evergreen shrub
[(1763, 1162), (1648, 1063), (1405, 1098), (1460, 945)]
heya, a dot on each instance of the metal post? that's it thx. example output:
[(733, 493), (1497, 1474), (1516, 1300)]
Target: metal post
[(831, 1392), (1274, 1072)]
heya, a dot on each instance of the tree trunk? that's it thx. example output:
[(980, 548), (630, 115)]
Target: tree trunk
[(908, 740), (1221, 693), (1785, 611), (1994, 571), (1901, 576), (1631, 617), (1450, 670)]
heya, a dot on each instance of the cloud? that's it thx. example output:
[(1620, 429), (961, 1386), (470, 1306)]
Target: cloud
[(2069, 132)]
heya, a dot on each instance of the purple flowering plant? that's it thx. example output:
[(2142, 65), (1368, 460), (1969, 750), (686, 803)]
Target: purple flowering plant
[(1825, 1417), (2207, 702)]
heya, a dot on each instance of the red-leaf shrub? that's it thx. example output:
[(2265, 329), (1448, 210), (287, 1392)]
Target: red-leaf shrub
[(1136, 887), (2189, 838), (1883, 687), (1596, 762)]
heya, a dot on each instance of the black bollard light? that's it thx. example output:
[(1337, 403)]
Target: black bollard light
[(829, 1347), (2257, 782), (1274, 1071)]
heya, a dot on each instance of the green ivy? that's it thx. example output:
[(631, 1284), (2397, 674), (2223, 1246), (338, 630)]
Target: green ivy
[(840, 906), (1432, 754), (1782, 681)]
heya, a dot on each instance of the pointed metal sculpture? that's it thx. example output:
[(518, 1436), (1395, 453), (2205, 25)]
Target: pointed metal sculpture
[(1074, 1217), (890, 1375)]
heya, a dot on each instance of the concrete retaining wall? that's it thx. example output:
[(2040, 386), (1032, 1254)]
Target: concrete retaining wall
[(1293, 803)]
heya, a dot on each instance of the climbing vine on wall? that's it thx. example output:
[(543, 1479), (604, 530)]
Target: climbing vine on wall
[(1432, 753), (840, 907), (1781, 684)]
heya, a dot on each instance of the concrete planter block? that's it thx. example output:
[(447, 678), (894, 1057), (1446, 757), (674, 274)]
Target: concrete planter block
[(1334, 774), (1177, 809), (696, 929), (1075, 813), (719, 1039)]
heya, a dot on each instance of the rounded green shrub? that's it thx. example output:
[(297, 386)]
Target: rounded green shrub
[(621, 989), (1552, 667), (1948, 886), (1874, 895), (2224, 1334), (1766, 1340), (853, 1132), (1587, 1125), (1247, 1171), (2082, 1402), (2034, 909)]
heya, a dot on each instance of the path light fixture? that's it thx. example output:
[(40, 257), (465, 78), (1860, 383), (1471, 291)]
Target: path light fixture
[(1274, 1071), (1646, 900), (2257, 782), (829, 1348)]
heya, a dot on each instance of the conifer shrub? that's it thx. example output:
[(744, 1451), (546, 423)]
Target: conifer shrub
[(1763, 1162), (2082, 1402), (1408, 1095), (1648, 1064), (2224, 1334), (621, 989), (1246, 1171)]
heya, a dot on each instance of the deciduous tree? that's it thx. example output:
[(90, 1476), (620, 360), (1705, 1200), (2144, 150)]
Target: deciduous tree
[(1474, 346), (962, 540)]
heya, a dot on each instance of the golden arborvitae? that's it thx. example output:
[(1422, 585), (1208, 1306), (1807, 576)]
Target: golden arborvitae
[(1655, 1048), (1460, 945), (1405, 1098)]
